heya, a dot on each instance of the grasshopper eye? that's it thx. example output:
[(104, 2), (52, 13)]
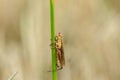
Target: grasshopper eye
[(59, 34)]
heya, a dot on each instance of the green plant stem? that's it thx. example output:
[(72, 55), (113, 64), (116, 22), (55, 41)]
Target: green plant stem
[(54, 73)]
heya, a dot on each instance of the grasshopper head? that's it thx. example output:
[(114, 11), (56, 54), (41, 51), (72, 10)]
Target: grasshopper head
[(59, 36)]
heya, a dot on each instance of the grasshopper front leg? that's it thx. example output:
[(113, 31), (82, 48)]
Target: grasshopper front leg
[(52, 45)]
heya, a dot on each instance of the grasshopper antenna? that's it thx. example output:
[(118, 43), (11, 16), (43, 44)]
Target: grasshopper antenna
[(55, 70)]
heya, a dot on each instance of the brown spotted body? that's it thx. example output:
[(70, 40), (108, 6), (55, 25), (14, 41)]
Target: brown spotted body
[(60, 61)]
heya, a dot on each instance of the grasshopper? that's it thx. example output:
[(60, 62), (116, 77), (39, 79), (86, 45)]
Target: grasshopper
[(60, 60)]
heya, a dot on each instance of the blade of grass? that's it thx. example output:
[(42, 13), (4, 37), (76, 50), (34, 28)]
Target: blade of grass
[(54, 73), (12, 76)]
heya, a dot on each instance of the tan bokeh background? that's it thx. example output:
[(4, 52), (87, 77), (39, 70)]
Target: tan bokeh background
[(91, 31)]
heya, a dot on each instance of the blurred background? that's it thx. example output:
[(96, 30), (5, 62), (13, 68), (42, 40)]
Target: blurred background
[(91, 32)]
